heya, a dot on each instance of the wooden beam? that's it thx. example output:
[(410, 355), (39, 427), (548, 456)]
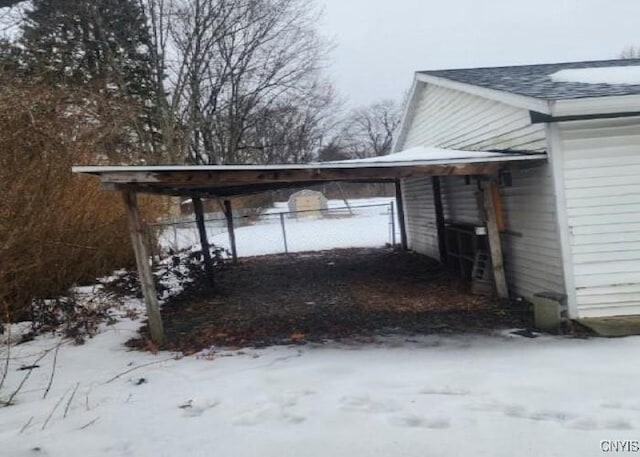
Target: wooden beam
[(204, 241), (207, 179), (213, 192), (226, 183), (497, 204), (401, 219), (228, 212), (145, 275), (440, 221), (495, 246)]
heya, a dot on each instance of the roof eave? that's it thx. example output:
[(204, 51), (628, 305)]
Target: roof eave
[(109, 170), (595, 105), (401, 131), (239, 180), (509, 98)]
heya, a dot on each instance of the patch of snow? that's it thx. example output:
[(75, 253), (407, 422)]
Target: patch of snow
[(13, 333), (368, 227), (626, 75), (421, 153), (432, 395), (306, 234), (173, 274)]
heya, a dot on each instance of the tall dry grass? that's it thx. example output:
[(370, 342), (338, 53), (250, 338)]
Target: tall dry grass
[(56, 228)]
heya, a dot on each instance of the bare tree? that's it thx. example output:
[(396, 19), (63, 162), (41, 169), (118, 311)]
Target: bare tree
[(222, 64), (159, 14), (293, 130), (368, 131), (630, 52), (10, 3), (11, 16), (274, 55)]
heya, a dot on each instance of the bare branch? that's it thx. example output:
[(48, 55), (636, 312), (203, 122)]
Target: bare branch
[(135, 368), (66, 409), (44, 424), (53, 370), (10, 3)]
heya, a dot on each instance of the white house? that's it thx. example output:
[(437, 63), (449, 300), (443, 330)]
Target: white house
[(572, 222)]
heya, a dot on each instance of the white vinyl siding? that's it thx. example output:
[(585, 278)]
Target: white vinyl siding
[(420, 216), (452, 119), (458, 203), (601, 168), (531, 248), (456, 120), (459, 200), (532, 253)]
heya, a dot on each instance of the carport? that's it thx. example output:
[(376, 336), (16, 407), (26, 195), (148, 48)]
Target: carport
[(223, 181)]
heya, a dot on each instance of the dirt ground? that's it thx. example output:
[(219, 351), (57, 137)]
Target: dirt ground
[(347, 293)]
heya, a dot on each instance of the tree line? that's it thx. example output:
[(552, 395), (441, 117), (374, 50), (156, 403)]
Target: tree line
[(195, 81)]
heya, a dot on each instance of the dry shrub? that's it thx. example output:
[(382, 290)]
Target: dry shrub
[(56, 228)]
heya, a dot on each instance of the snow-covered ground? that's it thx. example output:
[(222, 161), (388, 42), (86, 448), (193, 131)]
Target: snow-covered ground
[(370, 226), (464, 395), (427, 396)]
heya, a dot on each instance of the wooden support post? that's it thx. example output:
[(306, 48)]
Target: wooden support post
[(440, 223), (403, 227), (495, 246), (228, 212), (204, 241), (497, 206), (144, 269)]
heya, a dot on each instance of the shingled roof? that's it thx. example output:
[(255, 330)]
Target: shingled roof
[(535, 81)]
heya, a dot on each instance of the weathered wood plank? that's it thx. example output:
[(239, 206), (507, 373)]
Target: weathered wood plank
[(495, 245), (213, 179), (147, 283), (497, 203)]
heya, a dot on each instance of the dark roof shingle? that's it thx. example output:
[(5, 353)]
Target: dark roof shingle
[(535, 81)]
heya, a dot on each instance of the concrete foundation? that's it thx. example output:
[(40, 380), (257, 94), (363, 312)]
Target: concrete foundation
[(549, 310), (613, 326)]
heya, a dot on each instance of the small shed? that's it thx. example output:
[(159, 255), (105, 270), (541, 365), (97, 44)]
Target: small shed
[(307, 203), (570, 225)]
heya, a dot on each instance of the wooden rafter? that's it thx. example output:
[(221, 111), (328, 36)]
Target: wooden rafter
[(229, 178), (226, 183)]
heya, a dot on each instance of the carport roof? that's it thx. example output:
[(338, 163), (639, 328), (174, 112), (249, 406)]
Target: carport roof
[(229, 180)]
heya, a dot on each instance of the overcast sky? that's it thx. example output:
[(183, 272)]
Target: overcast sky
[(380, 43)]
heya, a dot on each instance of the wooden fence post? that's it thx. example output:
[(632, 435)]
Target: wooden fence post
[(204, 241), (147, 284)]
